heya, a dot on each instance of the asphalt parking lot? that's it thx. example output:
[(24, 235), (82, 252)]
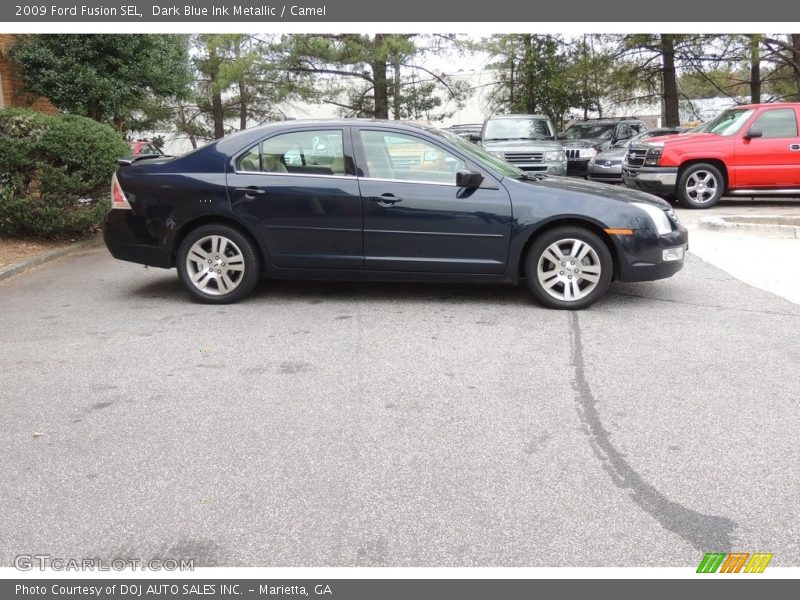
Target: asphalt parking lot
[(345, 424)]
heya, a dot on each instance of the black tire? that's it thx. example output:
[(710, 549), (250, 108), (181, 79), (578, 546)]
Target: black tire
[(225, 281), (598, 257), (700, 185)]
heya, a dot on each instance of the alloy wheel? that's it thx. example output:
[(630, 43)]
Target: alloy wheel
[(215, 265), (701, 186), (569, 269)]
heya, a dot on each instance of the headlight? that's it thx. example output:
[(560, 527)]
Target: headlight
[(657, 216), (555, 156), (497, 153), (653, 157), (587, 152)]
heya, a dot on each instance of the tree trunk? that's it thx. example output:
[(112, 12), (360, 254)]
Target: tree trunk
[(381, 91), (218, 115), (185, 125), (796, 63), (511, 76), (755, 69), (396, 96), (585, 68), (530, 100), (672, 116), (242, 105)]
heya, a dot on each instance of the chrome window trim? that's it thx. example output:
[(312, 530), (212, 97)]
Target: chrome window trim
[(353, 177), (387, 180)]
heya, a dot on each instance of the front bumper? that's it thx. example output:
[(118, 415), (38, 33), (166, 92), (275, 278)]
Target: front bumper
[(661, 181), (641, 255), (551, 168), (577, 166), (609, 174)]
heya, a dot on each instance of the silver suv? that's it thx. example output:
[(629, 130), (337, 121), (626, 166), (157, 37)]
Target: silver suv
[(526, 141)]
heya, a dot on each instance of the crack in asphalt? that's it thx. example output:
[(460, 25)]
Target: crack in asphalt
[(704, 532), (717, 306)]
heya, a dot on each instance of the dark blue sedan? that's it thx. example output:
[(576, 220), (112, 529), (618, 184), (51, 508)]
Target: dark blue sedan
[(385, 201)]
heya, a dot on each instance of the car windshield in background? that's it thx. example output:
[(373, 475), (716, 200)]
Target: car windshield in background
[(482, 156), (518, 129), (590, 132), (728, 123), (642, 136)]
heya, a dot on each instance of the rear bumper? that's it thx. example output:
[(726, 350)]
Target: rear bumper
[(127, 238), (661, 181), (641, 254)]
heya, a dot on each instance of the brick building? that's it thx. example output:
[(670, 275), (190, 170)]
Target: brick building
[(10, 85)]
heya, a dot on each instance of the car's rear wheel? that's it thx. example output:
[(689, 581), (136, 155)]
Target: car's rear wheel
[(218, 264), (568, 268), (700, 186)]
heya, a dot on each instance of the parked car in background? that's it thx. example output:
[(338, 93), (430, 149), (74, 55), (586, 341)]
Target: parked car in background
[(607, 165), (749, 150), (143, 147), (585, 139), (237, 209), (526, 141), (468, 131)]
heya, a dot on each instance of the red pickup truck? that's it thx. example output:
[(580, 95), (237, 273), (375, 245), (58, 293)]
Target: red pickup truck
[(749, 150)]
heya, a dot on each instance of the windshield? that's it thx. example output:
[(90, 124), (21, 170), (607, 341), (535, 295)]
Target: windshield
[(586, 131), (728, 123), (480, 155), (519, 129)]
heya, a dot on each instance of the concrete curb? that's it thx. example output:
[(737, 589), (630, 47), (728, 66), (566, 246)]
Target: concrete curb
[(767, 229), (40, 259)]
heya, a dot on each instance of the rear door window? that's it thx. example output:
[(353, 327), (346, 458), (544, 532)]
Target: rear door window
[(314, 152)]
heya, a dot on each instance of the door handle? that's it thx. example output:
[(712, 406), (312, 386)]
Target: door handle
[(386, 199), (794, 146), (250, 192)]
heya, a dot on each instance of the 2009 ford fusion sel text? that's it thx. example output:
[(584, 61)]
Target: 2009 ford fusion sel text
[(357, 199)]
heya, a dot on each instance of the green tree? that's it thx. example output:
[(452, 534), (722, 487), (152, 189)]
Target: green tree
[(533, 75), (647, 68), (374, 75), (236, 77), (784, 52), (128, 81)]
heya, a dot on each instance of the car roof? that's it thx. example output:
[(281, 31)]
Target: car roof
[(235, 141), (515, 116), (784, 104), (608, 121)]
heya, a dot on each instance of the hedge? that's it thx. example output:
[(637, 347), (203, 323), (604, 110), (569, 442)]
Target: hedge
[(55, 173)]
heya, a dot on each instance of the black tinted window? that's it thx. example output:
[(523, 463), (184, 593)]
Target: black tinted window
[(777, 123)]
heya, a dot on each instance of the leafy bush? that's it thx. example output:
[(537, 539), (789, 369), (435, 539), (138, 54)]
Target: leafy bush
[(55, 172)]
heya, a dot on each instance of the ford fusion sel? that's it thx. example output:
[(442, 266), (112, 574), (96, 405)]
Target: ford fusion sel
[(386, 201)]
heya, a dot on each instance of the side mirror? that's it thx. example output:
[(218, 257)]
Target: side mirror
[(468, 179), (753, 132), (561, 135), (474, 137)]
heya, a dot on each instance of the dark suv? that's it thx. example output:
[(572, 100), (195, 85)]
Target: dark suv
[(584, 139)]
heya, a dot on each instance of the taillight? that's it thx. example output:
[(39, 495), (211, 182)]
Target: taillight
[(118, 199)]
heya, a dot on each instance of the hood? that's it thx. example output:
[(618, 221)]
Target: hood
[(615, 154), (585, 143), (520, 145), (682, 138), (603, 190)]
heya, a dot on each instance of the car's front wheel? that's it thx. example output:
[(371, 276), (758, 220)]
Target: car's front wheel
[(700, 186), (568, 268), (218, 264)]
